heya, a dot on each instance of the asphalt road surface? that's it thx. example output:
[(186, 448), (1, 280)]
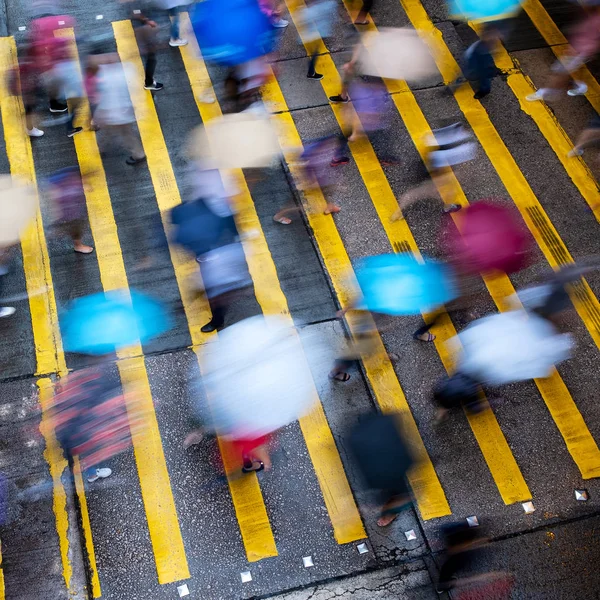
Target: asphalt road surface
[(170, 517)]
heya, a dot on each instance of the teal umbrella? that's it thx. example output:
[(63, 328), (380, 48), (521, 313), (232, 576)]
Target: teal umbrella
[(483, 10), (103, 323), (396, 284)]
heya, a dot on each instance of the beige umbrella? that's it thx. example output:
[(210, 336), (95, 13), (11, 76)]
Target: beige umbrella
[(18, 205), (235, 141), (396, 54)]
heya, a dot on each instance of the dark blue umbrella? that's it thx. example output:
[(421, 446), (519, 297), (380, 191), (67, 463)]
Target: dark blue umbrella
[(102, 323), (396, 284), (232, 32), (199, 229)]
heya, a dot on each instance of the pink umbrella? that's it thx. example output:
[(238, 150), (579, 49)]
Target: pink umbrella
[(489, 237)]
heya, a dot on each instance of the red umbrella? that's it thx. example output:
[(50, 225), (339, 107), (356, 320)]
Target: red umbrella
[(489, 237)]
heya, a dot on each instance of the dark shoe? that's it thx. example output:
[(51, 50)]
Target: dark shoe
[(342, 160), (315, 76), (210, 327), (135, 161), (57, 107), (154, 86), (339, 99), (73, 131), (479, 95)]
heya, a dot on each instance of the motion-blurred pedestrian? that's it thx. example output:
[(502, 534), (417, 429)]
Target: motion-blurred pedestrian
[(174, 8), (315, 23)]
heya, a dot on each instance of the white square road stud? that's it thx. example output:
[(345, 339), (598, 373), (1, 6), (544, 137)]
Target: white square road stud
[(183, 590), (246, 576)]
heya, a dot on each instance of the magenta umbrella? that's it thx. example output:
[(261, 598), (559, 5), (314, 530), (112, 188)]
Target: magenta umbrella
[(489, 237)]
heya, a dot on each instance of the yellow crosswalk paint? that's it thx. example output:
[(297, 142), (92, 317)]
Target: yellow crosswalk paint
[(245, 492), (2, 590), (430, 497), (344, 515), (495, 449), (163, 525), (578, 439), (36, 264), (559, 45), (533, 214), (550, 128)]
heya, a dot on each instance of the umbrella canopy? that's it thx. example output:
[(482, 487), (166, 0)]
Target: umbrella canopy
[(396, 284), (256, 377), (396, 54), (102, 323), (235, 141), (199, 229), (232, 32), (380, 452), (18, 205), (483, 10), (511, 346), (491, 237)]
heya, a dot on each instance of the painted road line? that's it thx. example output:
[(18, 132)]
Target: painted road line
[(430, 497), (161, 514), (44, 317), (559, 45), (514, 181), (342, 509), (2, 590), (547, 123), (569, 421), (87, 530), (495, 449), (247, 497)]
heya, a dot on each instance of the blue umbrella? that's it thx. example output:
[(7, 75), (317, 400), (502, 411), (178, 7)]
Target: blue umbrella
[(396, 284), (483, 10), (102, 323), (232, 32)]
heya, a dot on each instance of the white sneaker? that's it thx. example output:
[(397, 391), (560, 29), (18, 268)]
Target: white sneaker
[(280, 23), (7, 311), (100, 474), (177, 42), (575, 152), (579, 90), (34, 132)]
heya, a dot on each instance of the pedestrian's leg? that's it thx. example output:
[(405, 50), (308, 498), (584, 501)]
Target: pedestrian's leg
[(174, 14), (150, 67), (218, 308), (76, 232), (71, 129), (361, 18), (423, 334), (132, 143), (588, 137), (425, 190)]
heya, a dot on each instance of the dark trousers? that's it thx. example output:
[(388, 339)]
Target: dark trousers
[(150, 67)]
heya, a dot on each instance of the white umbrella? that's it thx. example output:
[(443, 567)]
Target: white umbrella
[(511, 346), (396, 54), (256, 377), (18, 205), (236, 141)]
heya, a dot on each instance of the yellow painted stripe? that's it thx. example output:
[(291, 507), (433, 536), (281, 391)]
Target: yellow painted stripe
[(57, 464), (550, 128), (36, 264), (87, 530), (559, 45), (578, 439), (2, 591), (163, 525), (256, 529), (424, 481), (342, 509), (495, 449), (537, 220)]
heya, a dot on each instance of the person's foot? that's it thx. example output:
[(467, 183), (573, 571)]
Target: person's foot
[(339, 99), (73, 131), (34, 132), (82, 248), (337, 375), (57, 107), (174, 43), (135, 161), (481, 94), (451, 208), (280, 23), (282, 220), (154, 86), (210, 327), (331, 209), (342, 160), (256, 466), (193, 438), (579, 89), (575, 152), (541, 94), (7, 311), (315, 76), (424, 337), (387, 519), (100, 474)]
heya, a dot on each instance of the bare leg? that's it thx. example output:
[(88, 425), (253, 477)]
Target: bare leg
[(588, 137)]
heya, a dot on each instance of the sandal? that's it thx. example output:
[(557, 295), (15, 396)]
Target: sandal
[(430, 337), (253, 469), (282, 220), (339, 376), (331, 210)]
